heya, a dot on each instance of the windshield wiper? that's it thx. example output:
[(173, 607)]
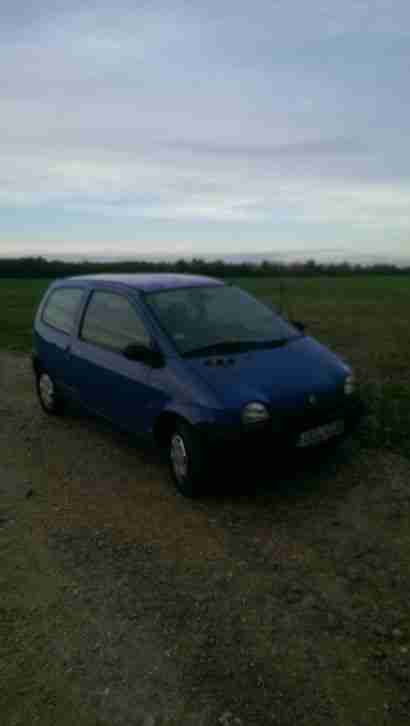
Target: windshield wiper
[(235, 346)]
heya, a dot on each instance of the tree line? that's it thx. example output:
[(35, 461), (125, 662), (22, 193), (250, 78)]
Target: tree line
[(39, 267)]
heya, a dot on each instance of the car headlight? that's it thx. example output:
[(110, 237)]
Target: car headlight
[(255, 413), (350, 385)]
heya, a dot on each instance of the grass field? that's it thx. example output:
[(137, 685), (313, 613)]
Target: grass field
[(122, 603), (365, 319), (18, 302)]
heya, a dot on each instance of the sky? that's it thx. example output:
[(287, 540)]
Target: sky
[(213, 127)]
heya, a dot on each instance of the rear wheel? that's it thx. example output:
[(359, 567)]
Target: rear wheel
[(186, 459), (48, 394)]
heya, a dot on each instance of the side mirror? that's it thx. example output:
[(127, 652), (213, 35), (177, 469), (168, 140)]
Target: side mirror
[(143, 354), (299, 326)]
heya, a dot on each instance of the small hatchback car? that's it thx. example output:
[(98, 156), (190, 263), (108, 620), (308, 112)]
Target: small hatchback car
[(197, 364)]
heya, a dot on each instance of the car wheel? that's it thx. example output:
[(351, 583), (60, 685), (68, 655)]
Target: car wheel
[(186, 460), (49, 397)]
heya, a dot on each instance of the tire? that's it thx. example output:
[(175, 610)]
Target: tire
[(50, 399), (186, 460)]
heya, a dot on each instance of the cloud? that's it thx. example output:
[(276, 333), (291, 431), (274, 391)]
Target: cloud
[(226, 191), (218, 115)]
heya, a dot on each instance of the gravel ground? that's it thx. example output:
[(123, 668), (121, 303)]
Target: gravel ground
[(282, 599)]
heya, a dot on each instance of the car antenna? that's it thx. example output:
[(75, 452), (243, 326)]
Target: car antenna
[(281, 296), (282, 300)]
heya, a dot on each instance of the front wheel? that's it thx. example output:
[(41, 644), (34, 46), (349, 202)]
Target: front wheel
[(49, 397), (186, 459)]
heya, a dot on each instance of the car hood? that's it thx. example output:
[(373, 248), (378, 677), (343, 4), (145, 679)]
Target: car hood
[(282, 377)]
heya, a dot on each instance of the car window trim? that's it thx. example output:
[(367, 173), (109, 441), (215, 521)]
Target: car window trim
[(54, 290), (146, 294), (105, 346)]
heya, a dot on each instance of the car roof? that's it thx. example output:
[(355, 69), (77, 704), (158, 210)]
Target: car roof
[(149, 282)]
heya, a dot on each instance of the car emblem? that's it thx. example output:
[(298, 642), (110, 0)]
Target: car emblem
[(312, 400)]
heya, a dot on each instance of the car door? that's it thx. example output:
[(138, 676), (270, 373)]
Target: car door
[(55, 325), (108, 383)]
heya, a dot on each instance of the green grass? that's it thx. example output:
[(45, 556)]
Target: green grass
[(18, 302), (364, 319)]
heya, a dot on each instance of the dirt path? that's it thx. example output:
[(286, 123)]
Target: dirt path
[(284, 601)]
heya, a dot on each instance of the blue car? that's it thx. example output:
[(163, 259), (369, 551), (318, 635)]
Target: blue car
[(196, 364)]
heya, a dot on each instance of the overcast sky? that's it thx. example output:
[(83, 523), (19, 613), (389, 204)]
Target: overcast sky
[(211, 127)]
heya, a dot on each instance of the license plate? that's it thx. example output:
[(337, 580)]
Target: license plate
[(320, 434)]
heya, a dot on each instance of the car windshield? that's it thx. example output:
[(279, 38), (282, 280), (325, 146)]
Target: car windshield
[(220, 319)]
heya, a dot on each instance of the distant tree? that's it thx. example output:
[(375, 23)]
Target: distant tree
[(38, 267)]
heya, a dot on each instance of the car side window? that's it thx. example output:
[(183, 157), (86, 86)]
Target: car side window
[(61, 308), (111, 322)]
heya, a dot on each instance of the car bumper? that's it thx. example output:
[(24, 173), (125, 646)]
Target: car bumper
[(285, 433)]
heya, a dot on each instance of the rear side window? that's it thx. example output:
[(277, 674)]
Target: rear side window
[(61, 308), (111, 321)]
